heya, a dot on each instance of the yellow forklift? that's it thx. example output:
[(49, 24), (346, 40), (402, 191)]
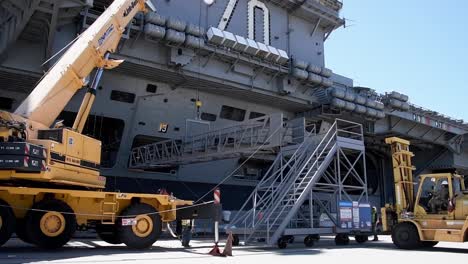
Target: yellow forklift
[(427, 211)]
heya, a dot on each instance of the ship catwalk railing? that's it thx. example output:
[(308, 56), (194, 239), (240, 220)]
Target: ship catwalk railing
[(277, 199), (263, 132), (336, 5)]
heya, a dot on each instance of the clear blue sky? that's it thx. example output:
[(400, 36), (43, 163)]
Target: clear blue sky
[(416, 47)]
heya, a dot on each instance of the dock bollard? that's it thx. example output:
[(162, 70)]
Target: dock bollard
[(215, 250)]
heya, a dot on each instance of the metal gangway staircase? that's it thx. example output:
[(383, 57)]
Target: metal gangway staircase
[(294, 177), (262, 133)]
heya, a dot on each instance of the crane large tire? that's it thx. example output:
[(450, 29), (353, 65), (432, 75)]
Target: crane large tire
[(21, 232), (145, 231), (7, 222), (52, 225), (405, 236), (108, 234)]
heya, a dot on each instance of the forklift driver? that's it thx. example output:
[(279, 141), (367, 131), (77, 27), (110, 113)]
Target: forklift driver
[(440, 198)]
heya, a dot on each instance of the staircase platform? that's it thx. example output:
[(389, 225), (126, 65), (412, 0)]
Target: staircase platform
[(350, 143)]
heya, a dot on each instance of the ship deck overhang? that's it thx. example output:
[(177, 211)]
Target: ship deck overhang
[(186, 79), (18, 80)]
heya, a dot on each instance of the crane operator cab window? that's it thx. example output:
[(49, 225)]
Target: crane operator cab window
[(435, 195)]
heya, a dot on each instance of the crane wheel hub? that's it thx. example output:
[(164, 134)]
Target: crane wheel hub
[(143, 226), (52, 224)]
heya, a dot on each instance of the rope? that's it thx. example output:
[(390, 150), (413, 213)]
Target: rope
[(238, 167), (195, 204), (102, 215), (62, 50)]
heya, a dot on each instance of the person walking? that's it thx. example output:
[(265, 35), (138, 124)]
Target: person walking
[(375, 218)]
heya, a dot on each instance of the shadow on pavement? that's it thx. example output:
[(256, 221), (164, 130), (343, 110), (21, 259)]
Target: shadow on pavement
[(23, 253), (16, 253)]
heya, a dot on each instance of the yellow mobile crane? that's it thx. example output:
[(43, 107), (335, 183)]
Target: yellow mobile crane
[(49, 177), (426, 212)]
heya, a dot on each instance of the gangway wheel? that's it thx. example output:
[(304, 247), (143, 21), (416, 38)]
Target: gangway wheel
[(361, 238), (283, 242), (52, 225), (7, 222), (341, 239), (309, 241), (316, 237), (146, 229)]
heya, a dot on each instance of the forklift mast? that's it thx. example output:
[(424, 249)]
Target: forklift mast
[(402, 174)]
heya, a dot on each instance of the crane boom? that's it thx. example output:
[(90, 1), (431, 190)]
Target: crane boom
[(61, 82)]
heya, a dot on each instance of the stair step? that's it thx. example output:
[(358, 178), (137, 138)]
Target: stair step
[(300, 185), (296, 193)]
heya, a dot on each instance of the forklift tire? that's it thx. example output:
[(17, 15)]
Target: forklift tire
[(429, 244), (361, 239), (108, 234), (7, 222), (405, 236), (21, 232), (235, 240), (309, 241), (52, 226), (341, 240), (146, 230)]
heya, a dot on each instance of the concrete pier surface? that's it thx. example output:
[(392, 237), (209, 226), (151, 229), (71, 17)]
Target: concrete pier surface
[(167, 251)]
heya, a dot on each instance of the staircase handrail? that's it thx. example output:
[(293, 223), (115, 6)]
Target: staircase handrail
[(266, 177), (335, 128), (333, 139), (304, 164)]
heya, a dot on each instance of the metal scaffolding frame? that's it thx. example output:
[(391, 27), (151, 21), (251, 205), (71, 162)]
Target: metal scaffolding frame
[(284, 201)]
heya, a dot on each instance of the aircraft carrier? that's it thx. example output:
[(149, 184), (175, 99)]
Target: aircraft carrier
[(225, 92)]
